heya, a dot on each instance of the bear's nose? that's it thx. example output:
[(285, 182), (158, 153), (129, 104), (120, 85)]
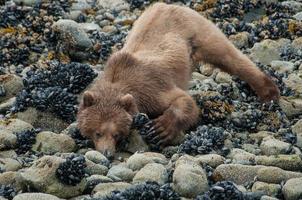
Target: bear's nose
[(108, 154)]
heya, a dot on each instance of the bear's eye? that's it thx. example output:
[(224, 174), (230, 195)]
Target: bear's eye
[(98, 135), (117, 136)]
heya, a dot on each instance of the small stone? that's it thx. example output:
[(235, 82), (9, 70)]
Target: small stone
[(122, 172), (11, 85), (240, 156), (206, 69), (265, 197), (96, 157), (80, 5), (26, 2), (294, 82), (89, 27), (297, 45), (189, 179), (35, 196), (213, 160), (15, 125), (287, 162), (7, 139), (8, 154), (282, 66), (152, 172), (297, 129), (113, 4), (292, 189), (9, 178), (268, 189), (272, 146), (291, 106), (139, 160), (223, 77), (9, 164), (93, 168), (198, 76), (259, 136), (7, 105), (239, 174), (240, 40), (275, 175), (294, 5), (104, 189), (49, 143)]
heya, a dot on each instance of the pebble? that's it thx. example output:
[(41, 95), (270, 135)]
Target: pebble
[(271, 146), (117, 5), (139, 160), (240, 40), (240, 156), (295, 5), (287, 162), (152, 172), (189, 179), (123, 173), (292, 189), (11, 85), (96, 157), (7, 139), (213, 160), (291, 106), (268, 189), (282, 66), (223, 77), (80, 5), (15, 125), (9, 164), (298, 16), (104, 189), (276, 175), (294, 82), (49, 143), (297, 129), (35, 196), (93, 168)]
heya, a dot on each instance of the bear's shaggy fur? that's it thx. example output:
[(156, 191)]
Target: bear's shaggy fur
[(150, 74)]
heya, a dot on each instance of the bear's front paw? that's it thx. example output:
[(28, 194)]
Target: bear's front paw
[(268, 90)]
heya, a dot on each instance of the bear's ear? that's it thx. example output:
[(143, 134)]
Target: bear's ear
[(88, 99), (128, 103)]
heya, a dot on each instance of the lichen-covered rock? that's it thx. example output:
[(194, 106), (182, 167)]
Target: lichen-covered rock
[(287, 162), (121, 172), (139, 160), (291, 106), (292, 189), (282, 66), (93, 168), (9, 164), (297, 129), (10, 86), (35, 196), (272, 146), (49, 143), (7, 139), (96, 157), (240, 156), (152, 172), (15, 125), (276, 175), (41, 176), (213, 160), (268, 189), (104, 189)]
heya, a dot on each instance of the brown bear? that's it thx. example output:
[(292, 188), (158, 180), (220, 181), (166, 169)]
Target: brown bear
[(150, 74)]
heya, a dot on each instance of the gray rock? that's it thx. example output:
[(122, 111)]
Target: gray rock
[(240, 174), (136, 143), (80, 5), (122, 172), (96, 157), (265, 197), (152, 172), (199, 76), (35, 196), (88, 27), (223, 77), (139, 160), (7, 105), (295, 5), (8, 178), (240, 40), (26, 2), (259, 136), (291, 106), (267, 188), (297, 129), (11, 84), (93, 168), (104, 189), (213, 160), (15, 125), (282, 66), (276, 175), (294, 82), (49, 143), (267, 50), (44, 120), (189, 179), (41, 177), (287, 162), (206, 69), (272, 146), (8, 154), (240, 156), (298, 16), (297, 46), (7, 139), (113, 4), (101, 178), (292, 189), (9, 164)]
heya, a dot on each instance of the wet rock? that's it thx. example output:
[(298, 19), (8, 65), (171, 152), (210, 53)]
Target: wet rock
[(272, 146), (268, 189), (240, 156), (282, 66), (7, 139), (297, 129), (93, 168), (96, 157), (15, 125), (41, 177), (49, 143), (287, 162), (240, 40), (139, 160), (276, 175), (113, 4), (35, 196), (10, 86), (44, 120), (266, 51), (189, 179), (213, 160), (294, 82), (152, 172), (9, 164), (121, 172), (291, 106), (292, 189), (104, 189), (240, 174)]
